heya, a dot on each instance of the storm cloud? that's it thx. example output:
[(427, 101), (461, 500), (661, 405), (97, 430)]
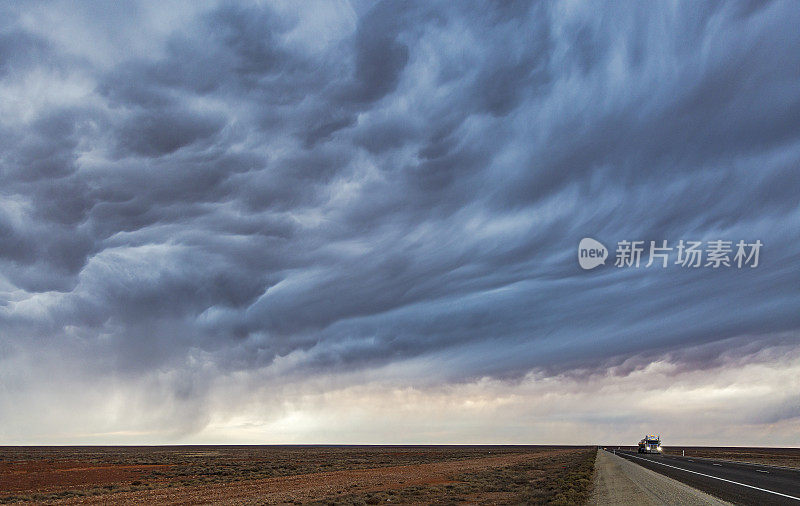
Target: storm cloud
[(215, 209)]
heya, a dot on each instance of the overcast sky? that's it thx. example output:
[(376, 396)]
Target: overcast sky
[(344, 222)]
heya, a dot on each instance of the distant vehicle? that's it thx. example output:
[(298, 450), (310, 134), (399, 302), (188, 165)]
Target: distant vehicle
[(650, 444)]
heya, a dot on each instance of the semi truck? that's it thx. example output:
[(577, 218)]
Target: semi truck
[(650, 444)]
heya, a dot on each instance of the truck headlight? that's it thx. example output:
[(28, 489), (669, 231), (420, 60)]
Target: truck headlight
[(659, 448)]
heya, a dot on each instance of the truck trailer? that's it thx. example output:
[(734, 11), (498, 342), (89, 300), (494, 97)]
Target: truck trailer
[(650, 444)]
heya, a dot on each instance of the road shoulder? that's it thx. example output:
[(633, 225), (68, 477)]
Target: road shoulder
[(619, 481)]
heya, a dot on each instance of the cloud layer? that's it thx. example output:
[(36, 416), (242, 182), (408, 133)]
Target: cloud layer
[(210, 212)]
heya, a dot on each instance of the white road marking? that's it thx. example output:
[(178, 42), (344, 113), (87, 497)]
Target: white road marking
[(738, 462), (717, 465), (762, 471), (718, 478)]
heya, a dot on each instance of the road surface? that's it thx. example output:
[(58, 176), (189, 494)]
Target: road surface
[(735, 482)]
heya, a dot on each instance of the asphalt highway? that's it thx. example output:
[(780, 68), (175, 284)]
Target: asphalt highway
[(738, 483)]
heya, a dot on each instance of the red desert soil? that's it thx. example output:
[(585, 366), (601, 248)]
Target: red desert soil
[(312, 486), (61, 475)]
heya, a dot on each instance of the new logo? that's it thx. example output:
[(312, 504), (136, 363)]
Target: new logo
[(591, 253)]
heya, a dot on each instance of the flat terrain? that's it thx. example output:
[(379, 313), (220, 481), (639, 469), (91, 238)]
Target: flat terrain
[(736, 482), (296, 474)]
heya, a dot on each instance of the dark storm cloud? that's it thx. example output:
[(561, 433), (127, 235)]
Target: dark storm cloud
[(379, 57), (396, 182), (159, 133), (20, 50)]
